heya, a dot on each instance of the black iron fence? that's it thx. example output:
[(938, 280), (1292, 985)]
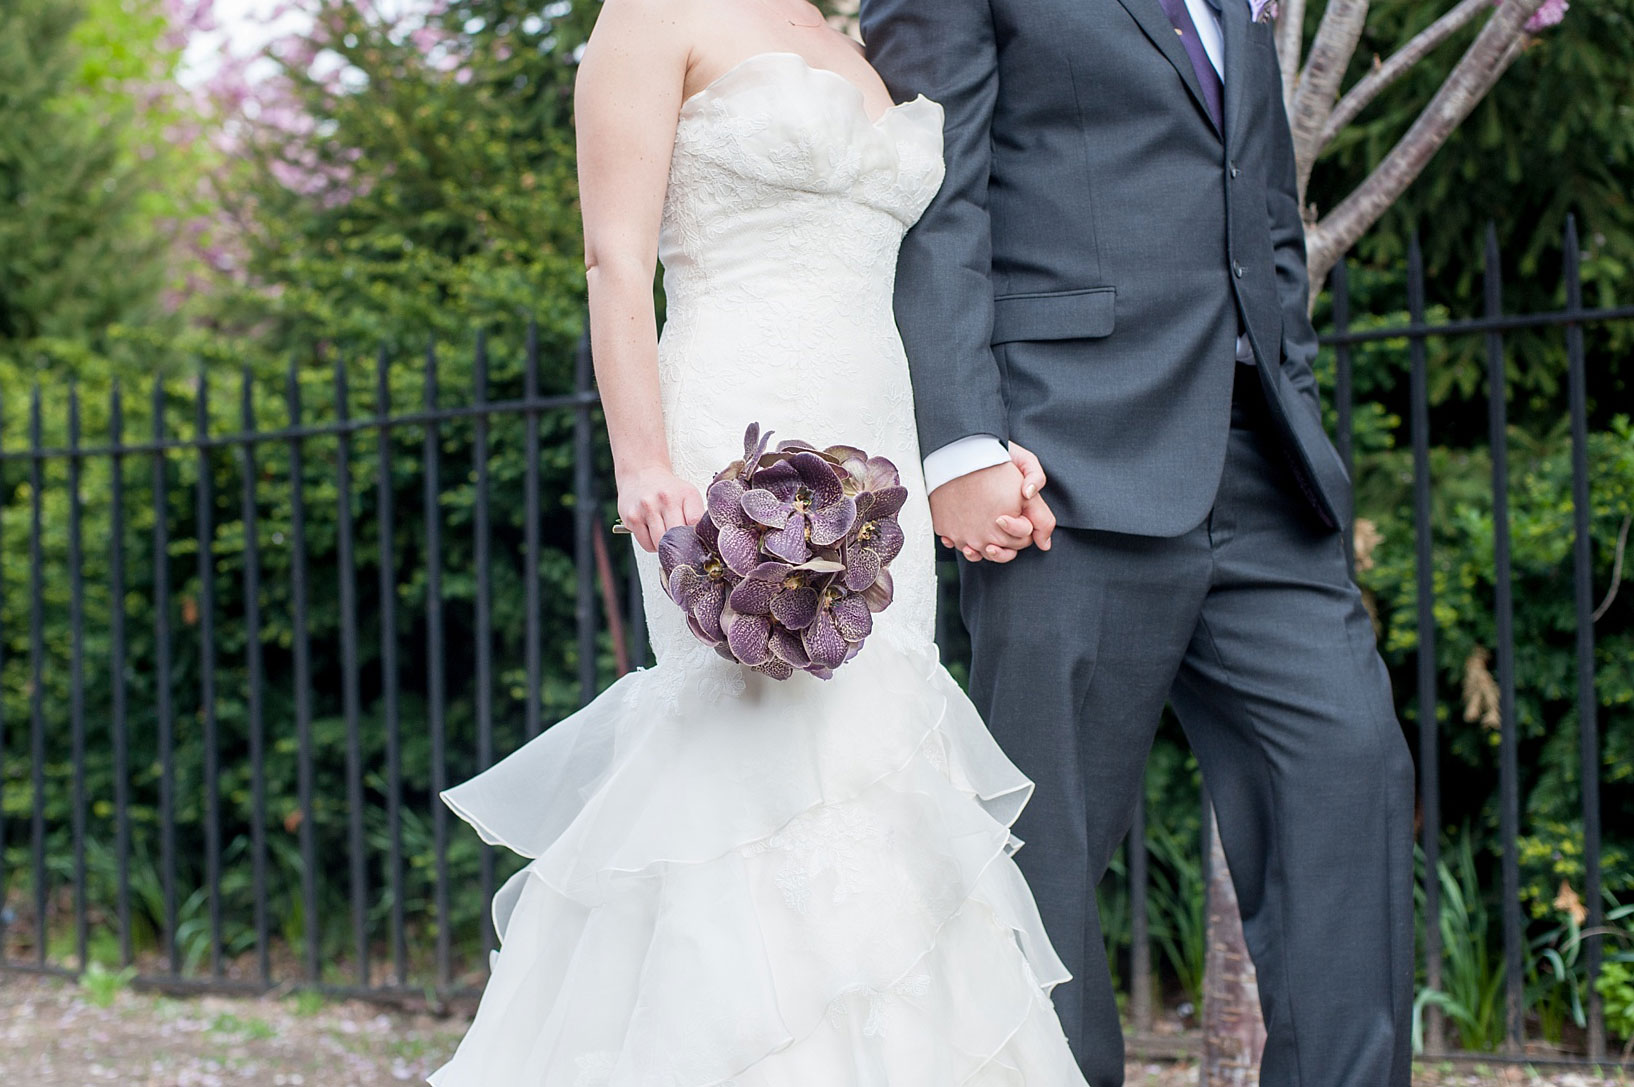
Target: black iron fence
[(222, 733)]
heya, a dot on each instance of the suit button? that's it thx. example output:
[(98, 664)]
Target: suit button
[(1236, 269), (1234, 170)]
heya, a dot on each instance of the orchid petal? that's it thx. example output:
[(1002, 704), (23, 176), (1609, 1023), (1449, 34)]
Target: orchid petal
[(845, 454), (725, 504), (765, 507), (818, 476), (883, 503), (820, 566), (852, 618), (775, 668), (683, 586), (780, 478), (680, 547), (703, 636), (754, 444), (831, 523), (771, 571), (789, 542), (747, 636), (862, 568), (795, 446), (887, 540), (787, 647), (740, 549), (709, 534), (823, 642), (882, 474), (754, 597), (795, 608), (706, 608), (879, 594)]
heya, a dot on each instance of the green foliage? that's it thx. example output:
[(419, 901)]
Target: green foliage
[(1557, 981), (103, 986), (1177, 907), (1616, 988), (80, 251), (423, 203), (458, 215), (1472, 970), (429, 192), (1554, 136)]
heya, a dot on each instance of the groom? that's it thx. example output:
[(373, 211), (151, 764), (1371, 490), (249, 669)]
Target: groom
[(1113, 276)]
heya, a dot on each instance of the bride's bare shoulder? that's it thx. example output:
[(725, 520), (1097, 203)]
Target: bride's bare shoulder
[(671, 21), (640, 42)]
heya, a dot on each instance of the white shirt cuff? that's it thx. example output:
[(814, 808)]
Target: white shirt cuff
[(962, 457)]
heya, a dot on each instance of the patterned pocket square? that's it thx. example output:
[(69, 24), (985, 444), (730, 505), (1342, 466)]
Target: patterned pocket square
[(1262, 11)]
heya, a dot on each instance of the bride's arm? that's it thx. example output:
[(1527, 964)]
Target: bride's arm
[(628, 99)]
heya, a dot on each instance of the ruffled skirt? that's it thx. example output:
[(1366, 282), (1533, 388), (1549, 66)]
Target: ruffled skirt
[(740, 881)]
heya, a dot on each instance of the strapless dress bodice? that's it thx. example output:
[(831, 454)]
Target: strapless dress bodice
[(780, 179)]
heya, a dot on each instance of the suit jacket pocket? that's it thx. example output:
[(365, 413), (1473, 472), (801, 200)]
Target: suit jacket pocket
[(1055, 315)]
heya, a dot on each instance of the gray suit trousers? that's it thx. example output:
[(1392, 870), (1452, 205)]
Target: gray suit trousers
[(1251, 626)]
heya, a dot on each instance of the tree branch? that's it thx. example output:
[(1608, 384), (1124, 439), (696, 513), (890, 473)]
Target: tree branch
[(1616, 569), (1331, 50), (1369, 87), (1486, 60), (1290, 43)]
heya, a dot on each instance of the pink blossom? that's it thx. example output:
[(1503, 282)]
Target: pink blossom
[(1550, 14)]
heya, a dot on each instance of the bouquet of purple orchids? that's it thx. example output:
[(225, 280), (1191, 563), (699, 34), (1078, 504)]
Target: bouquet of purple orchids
[(786, 570)]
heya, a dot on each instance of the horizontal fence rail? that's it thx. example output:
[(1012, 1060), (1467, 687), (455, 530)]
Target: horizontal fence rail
[(346, 851), (243, 650)]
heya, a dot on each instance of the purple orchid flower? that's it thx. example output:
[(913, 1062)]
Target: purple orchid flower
[(805, 504), (695, 579), (789, 566)]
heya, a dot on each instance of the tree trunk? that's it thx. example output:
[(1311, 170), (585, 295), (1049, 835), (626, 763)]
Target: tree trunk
[(1233, 1029)]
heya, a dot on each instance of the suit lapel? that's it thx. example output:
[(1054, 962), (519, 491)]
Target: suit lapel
[(1234, 30), (1149, 15)]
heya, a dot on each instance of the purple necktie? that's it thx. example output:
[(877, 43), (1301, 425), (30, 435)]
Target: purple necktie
[(1206, 74)]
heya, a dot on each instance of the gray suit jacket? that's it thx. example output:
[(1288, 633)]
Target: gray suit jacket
[(1078, 283)]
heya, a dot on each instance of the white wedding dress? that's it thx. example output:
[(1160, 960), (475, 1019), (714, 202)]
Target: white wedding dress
[(736, 880)]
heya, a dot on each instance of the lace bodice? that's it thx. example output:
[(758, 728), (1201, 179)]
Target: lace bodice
[(786, 206)]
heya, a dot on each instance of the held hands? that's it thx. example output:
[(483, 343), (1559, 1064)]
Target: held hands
[(651, 501), (997, 512)]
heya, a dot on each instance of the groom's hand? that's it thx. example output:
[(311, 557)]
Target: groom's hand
[(1036, 515), (981, 514)]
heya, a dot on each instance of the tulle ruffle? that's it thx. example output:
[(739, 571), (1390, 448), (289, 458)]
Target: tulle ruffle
[(740, 881)]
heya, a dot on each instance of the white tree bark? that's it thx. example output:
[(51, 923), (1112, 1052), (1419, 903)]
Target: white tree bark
[(1488, 57), (1335, 43), (1233, 1027), (1401, 61), (1290, 47)]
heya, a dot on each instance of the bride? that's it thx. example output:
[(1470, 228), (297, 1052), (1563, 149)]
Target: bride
[(736, 880)]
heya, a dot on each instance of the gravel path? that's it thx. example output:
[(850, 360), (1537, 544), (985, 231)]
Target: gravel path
[(57, 1034)]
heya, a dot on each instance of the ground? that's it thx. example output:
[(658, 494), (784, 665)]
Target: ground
[(54, 1033)]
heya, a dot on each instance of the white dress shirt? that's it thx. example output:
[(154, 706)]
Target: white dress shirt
[(979, 451)]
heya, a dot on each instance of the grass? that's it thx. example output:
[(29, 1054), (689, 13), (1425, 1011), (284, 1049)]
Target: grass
[(252, 1028), (102, 986)]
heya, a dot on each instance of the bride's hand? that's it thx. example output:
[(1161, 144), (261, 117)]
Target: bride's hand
[(1037, 519), (651, 501)]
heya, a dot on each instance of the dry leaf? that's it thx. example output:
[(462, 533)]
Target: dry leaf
[(1567, 902), (1481, 698), (1365, 538)]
